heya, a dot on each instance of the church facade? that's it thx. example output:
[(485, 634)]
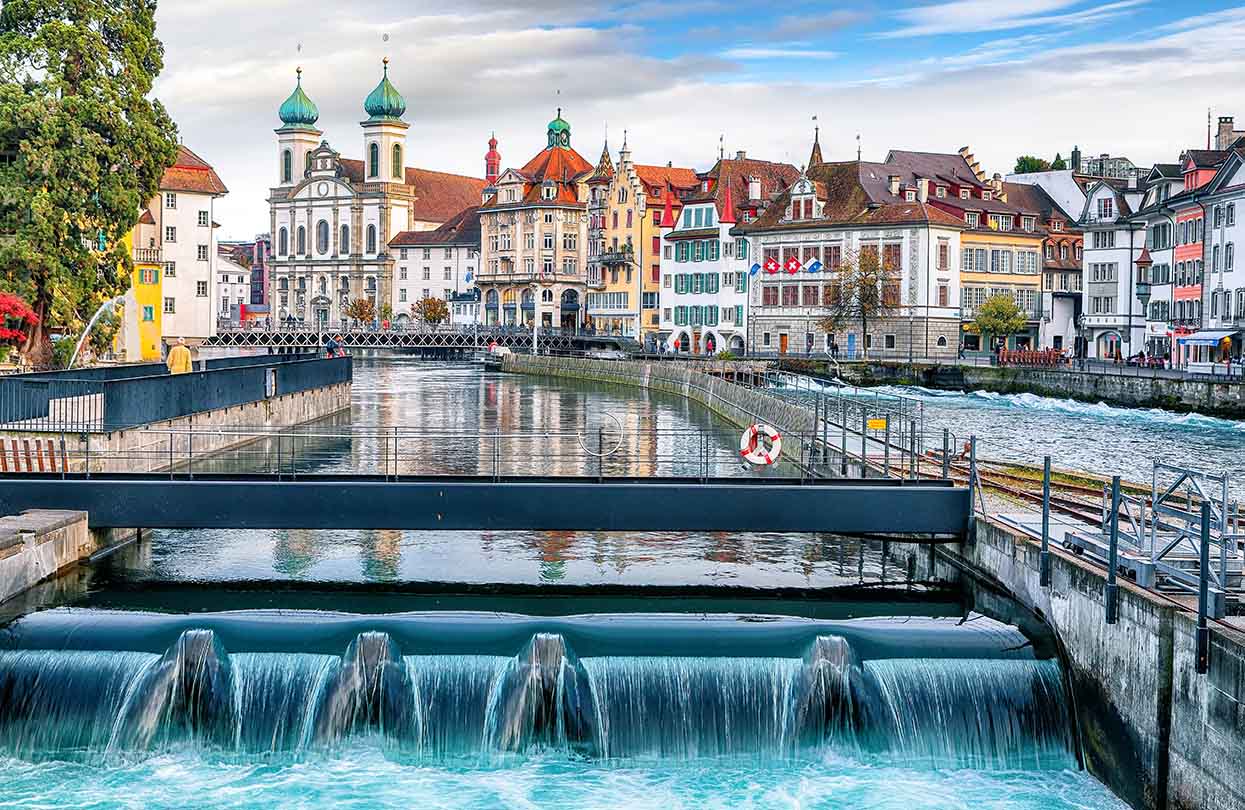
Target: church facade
[(333, 218)]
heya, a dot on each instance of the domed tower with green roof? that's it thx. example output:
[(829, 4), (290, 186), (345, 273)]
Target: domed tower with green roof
[(297, 135), (384, 133), (559, 132)]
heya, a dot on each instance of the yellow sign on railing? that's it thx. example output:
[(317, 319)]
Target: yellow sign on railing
[(877, 424)]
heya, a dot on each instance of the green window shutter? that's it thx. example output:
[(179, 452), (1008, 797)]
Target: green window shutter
[(741, 248), (687, 218), (699, 220), (739, 314), (680, 283), (709, 212)]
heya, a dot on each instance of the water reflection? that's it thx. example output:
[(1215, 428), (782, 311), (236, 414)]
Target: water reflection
[(665, 435)]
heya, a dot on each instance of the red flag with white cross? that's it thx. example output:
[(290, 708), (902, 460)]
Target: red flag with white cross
[(772, 266), (793, 265)]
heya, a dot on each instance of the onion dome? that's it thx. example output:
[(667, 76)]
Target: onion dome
[(298, 110), (559, 132), (385, 102)]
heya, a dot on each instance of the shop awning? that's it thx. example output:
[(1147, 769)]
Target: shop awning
[(1208, 337)]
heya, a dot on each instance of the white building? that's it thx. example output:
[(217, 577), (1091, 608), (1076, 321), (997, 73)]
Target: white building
[(832, 213), (233, 289), (185, 214), (441, 263), (704, 268), (1114, 318), (1224, 201), (333, 218), (465, 309)]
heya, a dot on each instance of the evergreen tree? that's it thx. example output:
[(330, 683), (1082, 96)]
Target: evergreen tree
[(1028, 163), (82, 148), (1058, 164)]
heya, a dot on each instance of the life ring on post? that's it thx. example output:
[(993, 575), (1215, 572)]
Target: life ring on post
[(754, 451)]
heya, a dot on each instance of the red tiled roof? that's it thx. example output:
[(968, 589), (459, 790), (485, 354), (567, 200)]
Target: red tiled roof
[(146, 218), (564, 167), (461, 229), (192, 174), (775, 178), (659, 177), (439, 195)]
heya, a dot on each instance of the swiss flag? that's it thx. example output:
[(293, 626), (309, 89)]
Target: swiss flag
[(793, 265), (771, 265)]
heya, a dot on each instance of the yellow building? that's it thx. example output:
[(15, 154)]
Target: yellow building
[(624, 242), (140, 335)]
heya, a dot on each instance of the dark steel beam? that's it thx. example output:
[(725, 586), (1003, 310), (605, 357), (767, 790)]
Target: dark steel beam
[(341, 502)]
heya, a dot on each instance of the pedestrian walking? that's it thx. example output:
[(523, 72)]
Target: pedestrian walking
[(179, 360)]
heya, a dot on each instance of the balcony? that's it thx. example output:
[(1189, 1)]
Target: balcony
[(147, 256), (623, 255)]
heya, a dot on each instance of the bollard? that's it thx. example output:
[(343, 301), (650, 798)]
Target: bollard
[(1044, 559), (1113, 551), (1203, 594)]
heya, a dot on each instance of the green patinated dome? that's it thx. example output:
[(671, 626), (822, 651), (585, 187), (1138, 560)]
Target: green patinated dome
[(298, 110), (559, 131), (385, 102)]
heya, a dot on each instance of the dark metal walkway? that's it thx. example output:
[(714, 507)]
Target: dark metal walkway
[(936, 511), (456, 341)]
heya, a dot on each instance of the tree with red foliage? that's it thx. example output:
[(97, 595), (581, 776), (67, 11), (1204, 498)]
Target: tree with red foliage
[(16, 319)]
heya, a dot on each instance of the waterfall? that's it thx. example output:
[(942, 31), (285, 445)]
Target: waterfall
[(936, 712)]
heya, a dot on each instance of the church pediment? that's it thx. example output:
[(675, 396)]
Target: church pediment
[(315, 188)]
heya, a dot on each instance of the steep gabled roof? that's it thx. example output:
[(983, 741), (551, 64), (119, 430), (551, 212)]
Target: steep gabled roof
[(556, 163), (735, 172), (947, 167), (461, 229), (661, 177), (192, 174), (1205, 158), (440, 195)]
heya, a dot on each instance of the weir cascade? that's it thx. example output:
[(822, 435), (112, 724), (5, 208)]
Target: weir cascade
[(988, 703)]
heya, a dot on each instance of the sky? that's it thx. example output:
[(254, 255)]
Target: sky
[(1003, 77)]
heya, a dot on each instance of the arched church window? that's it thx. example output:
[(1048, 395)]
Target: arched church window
[(373, 161), (397, 161), (302, 241), (287, 167), (322, 237), (283, 242), (371, 238), (344, 247)]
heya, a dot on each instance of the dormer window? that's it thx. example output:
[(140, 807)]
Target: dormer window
[(909, 195), (704, 185), (1056, 225), (964, 194), (986, 195), (971, 217), (549, 191), (1106, 208), (1027, 223), (940, 192)]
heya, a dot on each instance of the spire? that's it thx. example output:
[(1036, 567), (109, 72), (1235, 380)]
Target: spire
[(298, 110), (667, 213), (492, 161), (815, 159), (605, 166), (385, 103)]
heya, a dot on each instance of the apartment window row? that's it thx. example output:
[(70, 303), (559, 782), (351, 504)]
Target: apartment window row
[(609, 300), (998, 260), (701, 250), (1104, 271), (1226, 254), (1225, 215), (973, 296), (1102, 305), (1102, 240), (1191, 231), (696, 316), (1190, 273), (696, 283), (699, 217)]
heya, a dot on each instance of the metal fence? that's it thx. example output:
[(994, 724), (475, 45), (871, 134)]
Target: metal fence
[(123, 397)]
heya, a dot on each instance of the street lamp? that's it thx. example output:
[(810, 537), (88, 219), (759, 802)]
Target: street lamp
[(1080, 331), (1143, 262)]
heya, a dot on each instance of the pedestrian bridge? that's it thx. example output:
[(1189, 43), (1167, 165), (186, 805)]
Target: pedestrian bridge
[(443, 341), (921, 511)]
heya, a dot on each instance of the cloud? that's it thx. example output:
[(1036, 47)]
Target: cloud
[(795, 26), (973, 16), (777, 53)]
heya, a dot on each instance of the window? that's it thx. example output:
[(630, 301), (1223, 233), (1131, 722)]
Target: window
[(1050, 253), (940, 192), (147, 276), (203, 219), (1218, 222), (944, 295), (790, 295), (1106, 208), (1227, 256), (373, 160), (402, 294), (741, 248), (1027, 223), (1231, 214), (808, 296), (343, 246), (170, 269), (302, 241), (449, 274), (201, 289), (287, 168), (170, 200), (769, 295), (570, 241), (170, 233), (371, 237), (202, 253), (322, 237), (964, 194), (971, 217), (944, 256), (1001, 222), (549, 192), (283, 242), (397, 161), (149, 313), (427, 274), (170, 305)]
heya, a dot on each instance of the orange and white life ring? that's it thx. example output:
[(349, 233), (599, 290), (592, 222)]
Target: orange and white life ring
[(753, 450)]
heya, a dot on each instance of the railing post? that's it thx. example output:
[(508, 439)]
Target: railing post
[(601, 453), (843, 441), (1113, 551), (1203, 594), (886, 448), (1044, 559), (816, 420), (946, 453), (864, 443), (912, 457)]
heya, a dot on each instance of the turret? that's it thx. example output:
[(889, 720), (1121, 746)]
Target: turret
[(384, 133), (492, 161), (297, 136)]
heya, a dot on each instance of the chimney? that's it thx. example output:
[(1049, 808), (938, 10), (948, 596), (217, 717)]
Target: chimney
[(1224, 139), (996, 183), (893, 181), (754, 188), (741, 155), (1076, 159), (922, 189)]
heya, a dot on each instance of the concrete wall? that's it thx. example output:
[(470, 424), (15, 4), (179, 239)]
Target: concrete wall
[(1159, 734), (1176, 394), (147, 449), (37, 545)]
